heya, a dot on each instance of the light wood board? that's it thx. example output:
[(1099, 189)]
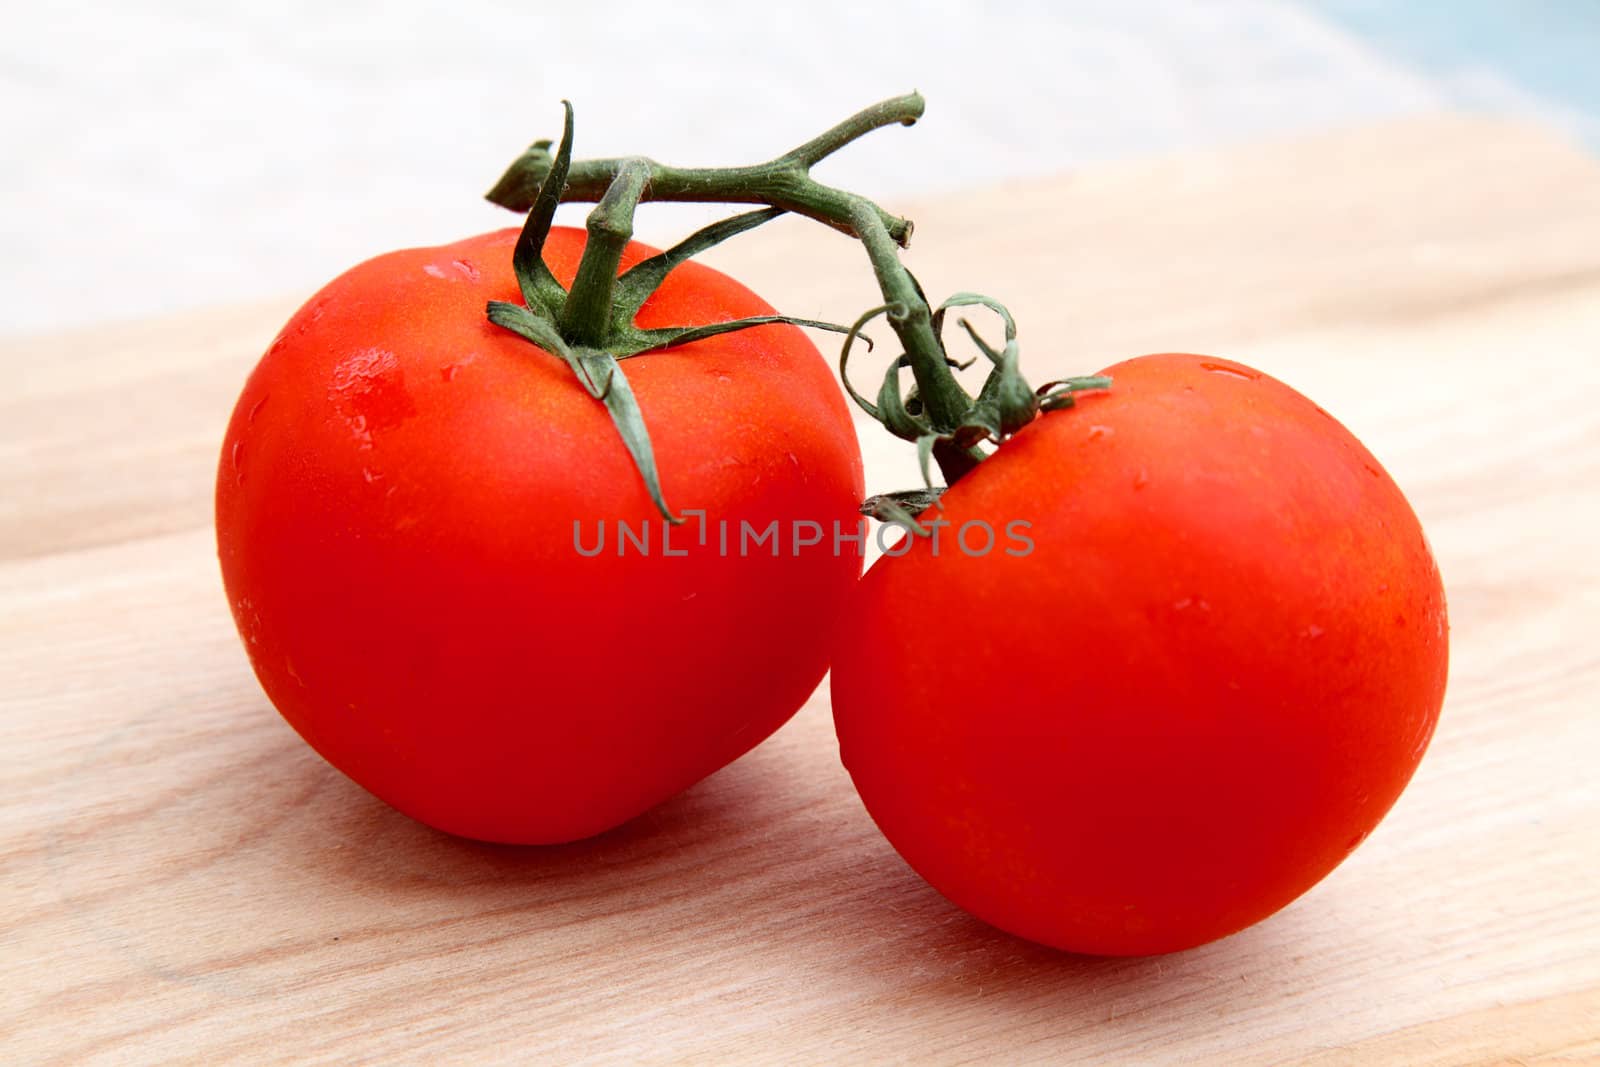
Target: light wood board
[(181, 879)]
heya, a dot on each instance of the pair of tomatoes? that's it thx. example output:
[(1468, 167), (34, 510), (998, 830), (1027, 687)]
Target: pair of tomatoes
[(1209, 676)]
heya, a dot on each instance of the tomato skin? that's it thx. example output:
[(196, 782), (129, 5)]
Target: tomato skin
[(1202, 689), (395, 512)]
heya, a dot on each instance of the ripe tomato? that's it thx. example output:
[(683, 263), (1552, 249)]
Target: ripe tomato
[(1202, 688), (396, 509)]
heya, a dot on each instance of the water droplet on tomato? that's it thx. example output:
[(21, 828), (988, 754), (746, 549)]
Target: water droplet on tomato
[(313, 311), (1097, 432), (368, 389), (358, 429), (1312, 632), (237, 454), (1141, 479), (448, 371), (255, 409), (248, 619), (1232, 372), (464, 268)]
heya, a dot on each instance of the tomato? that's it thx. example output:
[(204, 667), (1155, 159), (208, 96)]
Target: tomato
[(408, 505), (1174, 701)]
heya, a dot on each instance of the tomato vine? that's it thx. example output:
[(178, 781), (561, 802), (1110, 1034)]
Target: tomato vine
[(591, 327)]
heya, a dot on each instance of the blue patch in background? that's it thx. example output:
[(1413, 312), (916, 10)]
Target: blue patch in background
[(1521, 56)]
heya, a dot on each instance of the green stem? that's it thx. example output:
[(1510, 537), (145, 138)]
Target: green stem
[(945, 402), (942, 396), (784, 182), (586, 316)]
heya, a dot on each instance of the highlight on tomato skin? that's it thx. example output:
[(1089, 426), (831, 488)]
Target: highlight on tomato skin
[(1203, 688), (396, 503)]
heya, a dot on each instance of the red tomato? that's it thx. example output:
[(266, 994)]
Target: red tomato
[(1209, 679), (396, 510)]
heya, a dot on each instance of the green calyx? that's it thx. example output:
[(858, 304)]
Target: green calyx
[(591, 326)]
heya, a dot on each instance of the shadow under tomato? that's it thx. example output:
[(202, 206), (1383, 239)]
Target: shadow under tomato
[(964, 966), (364, 841)]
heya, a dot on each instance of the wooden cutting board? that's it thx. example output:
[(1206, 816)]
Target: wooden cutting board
[(184, 879)]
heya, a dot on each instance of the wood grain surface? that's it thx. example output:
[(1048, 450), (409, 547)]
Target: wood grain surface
[(182, 879)]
